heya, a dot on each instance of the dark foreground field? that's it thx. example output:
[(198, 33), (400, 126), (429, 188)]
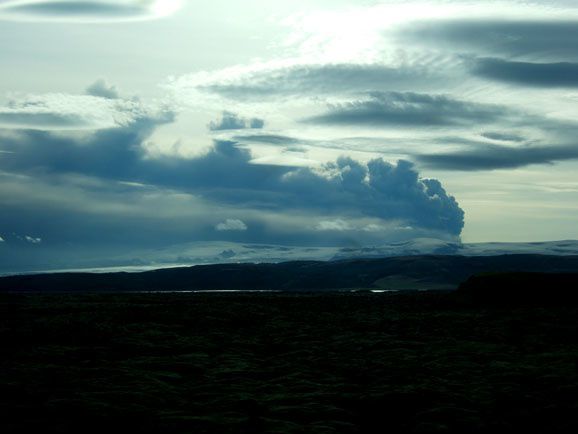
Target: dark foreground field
[(295, 363)]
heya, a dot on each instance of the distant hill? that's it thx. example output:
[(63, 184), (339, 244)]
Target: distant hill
[(432, 246), (396, 273)]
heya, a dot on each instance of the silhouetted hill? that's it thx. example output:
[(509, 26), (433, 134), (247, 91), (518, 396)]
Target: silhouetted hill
[(411, 272), (511, 289)]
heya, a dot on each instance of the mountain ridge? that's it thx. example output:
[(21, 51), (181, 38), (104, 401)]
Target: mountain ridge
[(223, 252), (392, 273)]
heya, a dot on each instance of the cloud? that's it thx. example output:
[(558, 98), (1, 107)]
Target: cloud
[(98, 194), (1, 239), (410, 109), (270, 80), (340, 225), (256, 123), (225, 175), (232, 121), (549, 75), (32, 240), (60, 112), (376, 189), (271, 139), (548, 39), (493, 157), (87, 11), (502, 137), (102, 89), (231, 225), (102, 186), (333, 225)]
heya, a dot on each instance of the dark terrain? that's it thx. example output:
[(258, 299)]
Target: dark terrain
[(287, 363), (410, 272)]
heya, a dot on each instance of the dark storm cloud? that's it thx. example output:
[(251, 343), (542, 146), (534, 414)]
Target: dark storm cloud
[(323, 79), (382, 190), (552, 39), (225, 175), (88, 194), (410, 109), (118, 155), (494, 157), (111, 153), (549, 75), (232, 121)]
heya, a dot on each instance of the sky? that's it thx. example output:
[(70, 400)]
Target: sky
[(135, 130)]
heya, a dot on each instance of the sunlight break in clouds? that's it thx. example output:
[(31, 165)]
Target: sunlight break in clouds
[(87, 10)]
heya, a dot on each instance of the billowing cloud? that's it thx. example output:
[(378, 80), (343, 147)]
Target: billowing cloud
[(1, 239), (86, 10), (102, 195), (376, 189), (232, 121), (410, 109), (231, 225), (225, 175)]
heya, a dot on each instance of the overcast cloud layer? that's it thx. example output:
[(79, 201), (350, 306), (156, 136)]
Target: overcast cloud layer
[(318, 124)]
